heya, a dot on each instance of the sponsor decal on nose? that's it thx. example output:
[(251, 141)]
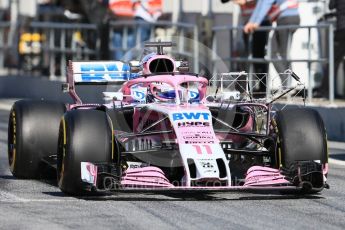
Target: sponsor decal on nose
[(190, 116)]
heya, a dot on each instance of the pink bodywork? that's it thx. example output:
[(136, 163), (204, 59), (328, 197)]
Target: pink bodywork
[(173, 80), (146, 65), (154, 177), (145, 177), (264, 176)]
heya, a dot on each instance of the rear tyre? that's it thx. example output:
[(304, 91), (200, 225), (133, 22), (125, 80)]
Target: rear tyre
[(33, 130), (302, 147), (84, 136)]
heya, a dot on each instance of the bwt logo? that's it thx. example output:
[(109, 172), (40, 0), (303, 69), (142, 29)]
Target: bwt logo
[(190, 116), (89, 71)]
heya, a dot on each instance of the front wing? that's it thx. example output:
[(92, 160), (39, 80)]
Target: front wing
[(105, 178)]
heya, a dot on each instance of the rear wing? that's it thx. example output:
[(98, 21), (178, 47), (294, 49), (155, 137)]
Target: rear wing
[(103, 73), (97, 72)]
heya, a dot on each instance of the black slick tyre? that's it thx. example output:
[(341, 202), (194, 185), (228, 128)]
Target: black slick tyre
[(84, 136), (33, 130), (302, 147)]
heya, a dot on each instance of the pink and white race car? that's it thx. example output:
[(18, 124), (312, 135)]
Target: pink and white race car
[(167, 130)]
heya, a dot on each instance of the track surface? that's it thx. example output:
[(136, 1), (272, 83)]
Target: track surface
[(29, 204)]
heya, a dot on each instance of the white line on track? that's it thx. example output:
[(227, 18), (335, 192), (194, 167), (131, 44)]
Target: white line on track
[(336, 162), (5, 107), (11, 198), (45, 200), (8, 197)]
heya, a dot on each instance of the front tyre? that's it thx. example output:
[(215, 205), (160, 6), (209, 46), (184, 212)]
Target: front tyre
[(302, 147), (84, 136)]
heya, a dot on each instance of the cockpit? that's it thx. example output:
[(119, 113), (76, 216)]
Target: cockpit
[(167, 90), (162, 79)]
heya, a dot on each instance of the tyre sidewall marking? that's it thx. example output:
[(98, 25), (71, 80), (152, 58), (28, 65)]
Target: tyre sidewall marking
[(14, 139), (63, 123), (112, 138)]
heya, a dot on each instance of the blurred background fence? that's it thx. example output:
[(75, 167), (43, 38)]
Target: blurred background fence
[(41, 42)]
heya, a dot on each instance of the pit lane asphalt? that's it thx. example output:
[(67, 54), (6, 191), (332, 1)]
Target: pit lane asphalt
[(30, 204)]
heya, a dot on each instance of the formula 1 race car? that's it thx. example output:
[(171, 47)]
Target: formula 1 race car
[(166, 129)]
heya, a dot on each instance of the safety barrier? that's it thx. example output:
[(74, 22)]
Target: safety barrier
[(63, 41), (249, 60), (4, 45), (47, 46), (59, 42)]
